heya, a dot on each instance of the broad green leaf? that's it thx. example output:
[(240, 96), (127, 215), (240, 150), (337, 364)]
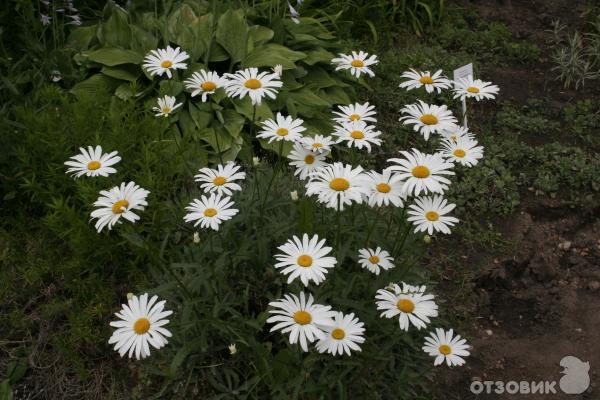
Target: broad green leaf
[(234, 122), (170, 87), (272, 54), (200, 117), (318, 55), (115, 32), (124, 91), (96, 86), (112, 56), (143, 41), (232, 34), (319, 78), (81, 37), (125, 72), (307, 97), (260, 34), (334, 95), (244, 106)]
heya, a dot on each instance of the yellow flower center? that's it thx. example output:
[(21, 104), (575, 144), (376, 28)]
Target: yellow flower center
[(374, 259), (220, 180), (317, 145), (460, 153), (253, 84), (357, 63), (166, 110), (420, 171), (429, 119), (208, 86), (426, 80), (357, 134), (120, 206), (405, 305), (432, 216), (141, 326), (282, 132), (302, 317), (210, 212), (473, 89), (383, 188), (354, 117), (166, 64), (339, 184), (338, 334), (309, 159), (92, 165), (445, 349), (304, 260)]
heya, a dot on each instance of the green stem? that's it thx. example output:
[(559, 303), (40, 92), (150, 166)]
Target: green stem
[(339, 225), (377, 213)]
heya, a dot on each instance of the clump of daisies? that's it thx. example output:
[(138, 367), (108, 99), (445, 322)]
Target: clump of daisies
[(307, 322)]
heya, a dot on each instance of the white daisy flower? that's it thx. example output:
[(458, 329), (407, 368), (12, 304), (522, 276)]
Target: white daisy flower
[(357, 63), (343, 336), (337, 185), (428, 118), (422, 172), (92, 162), (358, 133), (222, 179), (205, 83), (463, 151), (383, 189), (210, 212), (118, 202), (306, 161), (416, 79), (474, 88), (444, 346), (166, 106), (301, 318), (305, 259), (254, 84), (141, 323), (318, 143), (457, 132), (409, 302), (375, 260), (429, 214), (285, 128), (355, 112), (161, 61)]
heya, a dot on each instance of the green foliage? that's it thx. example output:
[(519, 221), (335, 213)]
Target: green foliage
[(356, 18), (577, 55), (219, 287), (485, 41), (534, 118), (111, 53), (583, 121)]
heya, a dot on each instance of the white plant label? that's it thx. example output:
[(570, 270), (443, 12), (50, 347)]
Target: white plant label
[(459, 73)]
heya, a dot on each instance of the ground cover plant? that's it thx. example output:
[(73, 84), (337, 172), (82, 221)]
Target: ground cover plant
[(259, 195)]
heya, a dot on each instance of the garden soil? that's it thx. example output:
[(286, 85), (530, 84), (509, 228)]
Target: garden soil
[(539, 301)]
